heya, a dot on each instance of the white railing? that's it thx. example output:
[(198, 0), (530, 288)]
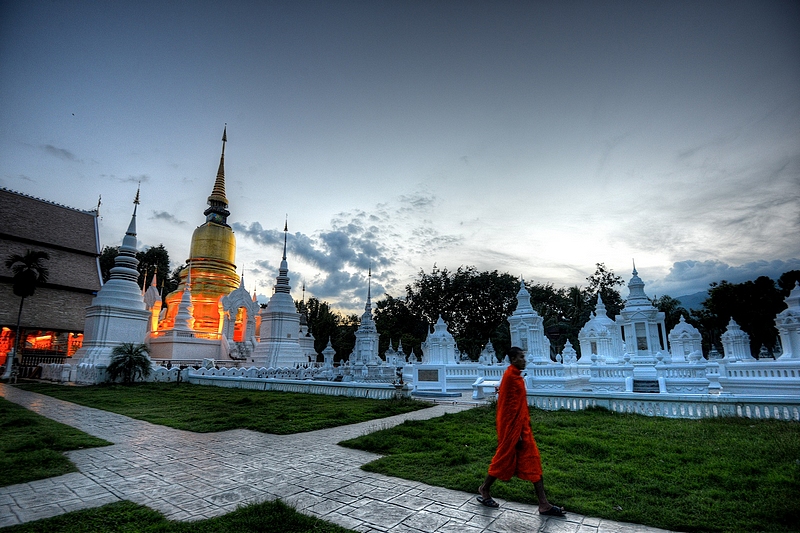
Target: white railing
[(671, 405), (376, 391)]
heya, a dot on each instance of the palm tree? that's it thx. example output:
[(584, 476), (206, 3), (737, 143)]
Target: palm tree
[(129, 360), (28, 272)]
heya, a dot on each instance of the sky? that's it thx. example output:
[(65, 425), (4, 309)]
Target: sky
[(534, 138)]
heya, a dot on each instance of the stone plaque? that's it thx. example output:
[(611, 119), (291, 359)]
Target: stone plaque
[(428, 375)]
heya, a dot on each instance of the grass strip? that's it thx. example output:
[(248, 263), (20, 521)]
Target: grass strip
[(718, 475), (32, 446), (128, 517), (205, 409)]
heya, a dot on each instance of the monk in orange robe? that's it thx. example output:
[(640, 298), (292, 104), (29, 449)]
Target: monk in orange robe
[(517, 453)]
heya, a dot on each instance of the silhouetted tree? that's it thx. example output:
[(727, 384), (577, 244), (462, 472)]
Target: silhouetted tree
[(395, 322), (752, 304), (107, 257), (604, 282), (474, 304), (151, 260), (672, 309), (787, 280), (27, 271)]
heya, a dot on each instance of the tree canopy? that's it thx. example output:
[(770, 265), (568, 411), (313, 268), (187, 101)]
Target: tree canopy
[(752, 304), (153, 260)]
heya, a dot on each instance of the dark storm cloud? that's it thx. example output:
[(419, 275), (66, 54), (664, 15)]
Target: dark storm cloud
[(694, 276), (60, 153), (357, 241), (167, 217)]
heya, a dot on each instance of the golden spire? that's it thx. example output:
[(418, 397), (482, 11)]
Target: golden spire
[(218, 193)]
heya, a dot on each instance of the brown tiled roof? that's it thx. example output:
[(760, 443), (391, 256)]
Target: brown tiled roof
[(26, 217), (69, 236)]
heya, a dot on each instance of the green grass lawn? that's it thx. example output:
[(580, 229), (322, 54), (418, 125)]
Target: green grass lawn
[(32, 446), (127, 517), (686, 475), (207, 409)]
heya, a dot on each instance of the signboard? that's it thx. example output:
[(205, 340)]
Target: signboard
[(428, 375)]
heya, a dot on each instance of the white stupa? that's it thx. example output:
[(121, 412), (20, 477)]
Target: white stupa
[(118, 313), (365, 351), (279, 344)]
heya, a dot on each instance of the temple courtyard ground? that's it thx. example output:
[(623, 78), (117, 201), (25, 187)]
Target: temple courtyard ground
[(192, 476)]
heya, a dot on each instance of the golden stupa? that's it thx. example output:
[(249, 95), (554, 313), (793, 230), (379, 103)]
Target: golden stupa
[(210, 264)]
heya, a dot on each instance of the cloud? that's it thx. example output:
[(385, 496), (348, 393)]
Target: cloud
[(688, 277), (729, 208), (60, 153), (168, 217), (356, 241), (141, 178)]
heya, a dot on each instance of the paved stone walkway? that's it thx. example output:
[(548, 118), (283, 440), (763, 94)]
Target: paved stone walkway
[(192, 476)]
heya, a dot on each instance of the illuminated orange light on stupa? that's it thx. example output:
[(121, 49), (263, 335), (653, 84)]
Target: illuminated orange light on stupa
[(211, 262)]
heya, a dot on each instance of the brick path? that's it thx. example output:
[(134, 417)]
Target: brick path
[(192, 476)]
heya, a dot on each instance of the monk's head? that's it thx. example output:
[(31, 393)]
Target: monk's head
[(517, 357)]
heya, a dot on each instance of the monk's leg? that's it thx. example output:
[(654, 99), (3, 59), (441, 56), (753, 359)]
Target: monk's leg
[(485, 490), (544, 505)]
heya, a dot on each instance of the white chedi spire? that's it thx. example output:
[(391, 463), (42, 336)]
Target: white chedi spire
[(122, 287), (118, 313), (184, 319), (527, 329), (365, 350), (637, 297), (279, 344)]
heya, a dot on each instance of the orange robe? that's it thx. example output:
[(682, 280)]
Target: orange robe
[(514, 456)]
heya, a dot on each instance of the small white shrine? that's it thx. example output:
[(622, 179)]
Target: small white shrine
[(600, 336), (307, 338), (641, 324), (684, 341), (735, 344), (788, 324), (116, 315), (439, 347)]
